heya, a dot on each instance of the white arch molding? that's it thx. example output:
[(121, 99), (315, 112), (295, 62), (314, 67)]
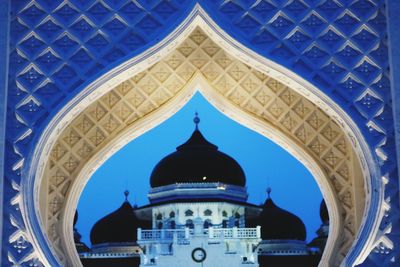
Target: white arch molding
[(199, 84), (366, 237)]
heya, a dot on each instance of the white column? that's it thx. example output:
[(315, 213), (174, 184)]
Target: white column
[(210, 232), (163, 233), (187, 233), (235, 232)]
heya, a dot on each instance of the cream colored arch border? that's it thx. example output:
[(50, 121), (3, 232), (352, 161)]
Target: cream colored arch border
[(198, 84), (197, 18)]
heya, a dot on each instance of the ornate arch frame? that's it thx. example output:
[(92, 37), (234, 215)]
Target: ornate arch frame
[(366, 238), (199, 84)]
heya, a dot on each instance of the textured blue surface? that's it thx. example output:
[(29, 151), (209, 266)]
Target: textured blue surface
[(4, 35), (57, 48), (394, 37)]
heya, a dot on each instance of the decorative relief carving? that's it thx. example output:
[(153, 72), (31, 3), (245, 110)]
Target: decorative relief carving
[(250, 90), (38, 40)]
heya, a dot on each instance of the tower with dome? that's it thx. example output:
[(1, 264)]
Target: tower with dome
[(198, 214)]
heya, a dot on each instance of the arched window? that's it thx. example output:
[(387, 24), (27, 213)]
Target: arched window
[(188, 213), (172, 225), (159, 216), (224, 213), (207, 224), (237, 219), (159, 225), (190, 224), (224, 223), (172, 214), (207, 212)]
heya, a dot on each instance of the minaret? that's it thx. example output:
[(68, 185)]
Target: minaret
[(320, 241), (80, 246)]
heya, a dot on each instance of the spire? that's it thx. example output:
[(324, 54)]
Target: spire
[(269, 192), (126, 193), (197, 139), (196, 120)]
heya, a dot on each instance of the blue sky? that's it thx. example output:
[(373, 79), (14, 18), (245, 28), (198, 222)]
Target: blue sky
[(264, 163)]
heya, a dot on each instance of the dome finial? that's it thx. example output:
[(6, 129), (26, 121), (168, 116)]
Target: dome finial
[(196, 120), (269, 189), (126, 193)]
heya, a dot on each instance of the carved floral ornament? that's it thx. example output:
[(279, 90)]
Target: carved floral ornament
[(245, 93)]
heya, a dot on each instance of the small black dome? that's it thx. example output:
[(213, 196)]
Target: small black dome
[(277, 223), (323, 212), (119, 226), (197, 161)]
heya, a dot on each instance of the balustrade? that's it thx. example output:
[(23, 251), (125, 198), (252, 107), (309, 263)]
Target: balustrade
[(185, 233)]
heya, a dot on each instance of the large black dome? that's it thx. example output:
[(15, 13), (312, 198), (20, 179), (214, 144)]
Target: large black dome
[(117, 227), (277, 223), (197, 161)]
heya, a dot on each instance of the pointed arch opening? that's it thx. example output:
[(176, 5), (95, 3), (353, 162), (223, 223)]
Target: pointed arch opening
[(79, 140)]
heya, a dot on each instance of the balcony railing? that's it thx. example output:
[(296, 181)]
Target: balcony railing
[(163, 234), (183, 235), (234, 233)]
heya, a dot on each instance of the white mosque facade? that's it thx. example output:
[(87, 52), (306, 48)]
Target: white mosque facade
[(205, 232)]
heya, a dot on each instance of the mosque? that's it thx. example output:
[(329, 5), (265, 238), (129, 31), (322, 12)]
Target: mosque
[(198, 214), (322, 77)]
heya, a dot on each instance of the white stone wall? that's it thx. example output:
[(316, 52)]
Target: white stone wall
[(232, 252)]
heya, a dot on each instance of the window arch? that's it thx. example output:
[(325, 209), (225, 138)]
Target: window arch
[(237, 219), (159, 216), (172, 214), (188, 213), (189, 223), (207, 224), (224, 213), (207, 212)]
